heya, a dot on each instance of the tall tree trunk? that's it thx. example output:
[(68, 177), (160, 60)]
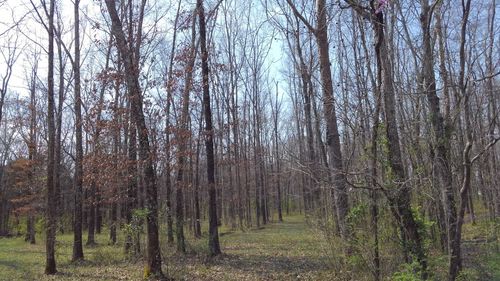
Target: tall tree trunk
[(32, 150), (448, 199), (492, 113), (91, 214), (168, 168), (455, 240), (182, 139), (439, 124), (332, 135), (213, 234), (57, 154), (197, 212), (400, 195), (77, 220), (50, 265), (130, 58), (257, 177), (277, 156), (132, 200), (117, 183), (373, 173)]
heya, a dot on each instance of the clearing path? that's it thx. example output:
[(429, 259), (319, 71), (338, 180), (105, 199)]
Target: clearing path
[(279, 251)]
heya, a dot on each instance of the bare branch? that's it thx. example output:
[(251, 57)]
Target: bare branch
[(487, 77), (299, 15), (488, 146)]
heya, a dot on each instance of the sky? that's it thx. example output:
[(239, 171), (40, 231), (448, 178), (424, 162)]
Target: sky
[(19, 22)]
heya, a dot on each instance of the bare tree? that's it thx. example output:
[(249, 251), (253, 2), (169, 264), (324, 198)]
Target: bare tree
[(333, 137), (9, 54), (213, 234), (130, 55), (77, 227), (182, 140), (50, 265)]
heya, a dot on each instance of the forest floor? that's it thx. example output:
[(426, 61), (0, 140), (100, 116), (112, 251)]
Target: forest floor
[(279, 251)]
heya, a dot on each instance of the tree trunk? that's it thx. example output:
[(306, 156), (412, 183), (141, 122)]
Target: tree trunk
[(182, 139), (57, 154), (213, 238), (30, 229), (98, 214), (91, 214), (50, 265), (400, 195), (168, 168), (333, 136), (197, 212), (132, 201), (439, 124), (32, 151), (117, 183), (455, 240), (77, 220), (332, 133), (153, 267)]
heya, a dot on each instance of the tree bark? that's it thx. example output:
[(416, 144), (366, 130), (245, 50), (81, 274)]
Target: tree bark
[(455, 240), (439, 124), (277, 156), (77, 220), (168, 168), (132, 201), (333, 136), (182, 139), (213, 238), (50, 265), (400, 196), (57, 154), (153, 267)]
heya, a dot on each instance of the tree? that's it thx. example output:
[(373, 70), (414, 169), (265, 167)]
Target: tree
[(32, 148), (276, 110), (10, 53), (130, 59), (50, 265), (399, 194), (375, 120), (169, 86), (333, 137), (182, 139), (213, 234), (77, 227)]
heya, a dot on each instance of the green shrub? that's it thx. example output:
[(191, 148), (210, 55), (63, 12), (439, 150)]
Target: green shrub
[(468, 274), (410, 272), (425, 226), (106, 256), (134, 229)]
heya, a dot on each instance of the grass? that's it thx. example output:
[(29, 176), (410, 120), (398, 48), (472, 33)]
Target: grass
[(481, 251), (22, 261), (285, 251), (279, 251)]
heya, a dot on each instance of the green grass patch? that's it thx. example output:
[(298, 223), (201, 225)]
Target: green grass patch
[(21, 261), (278, 251)]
